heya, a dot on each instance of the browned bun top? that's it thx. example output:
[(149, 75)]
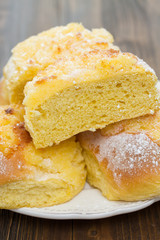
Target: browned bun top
[(13, 139), (129, 151), (148, 124)]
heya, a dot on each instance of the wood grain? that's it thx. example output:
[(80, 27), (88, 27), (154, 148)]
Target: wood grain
[(17, 227), (135, 25), (139, 225)]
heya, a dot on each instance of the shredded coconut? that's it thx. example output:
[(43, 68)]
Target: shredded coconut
[(151, 112), (92, 129)]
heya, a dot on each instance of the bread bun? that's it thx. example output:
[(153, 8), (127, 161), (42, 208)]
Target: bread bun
[(38, 52), (35, 178), (123, 160), (88, 91), (76, 80)]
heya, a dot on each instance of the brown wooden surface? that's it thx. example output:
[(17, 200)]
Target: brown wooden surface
[(135, 25)]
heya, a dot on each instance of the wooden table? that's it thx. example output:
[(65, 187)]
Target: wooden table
[(135, 25)]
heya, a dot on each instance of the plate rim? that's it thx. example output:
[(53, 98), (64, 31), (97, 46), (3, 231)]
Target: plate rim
[(84, 216)]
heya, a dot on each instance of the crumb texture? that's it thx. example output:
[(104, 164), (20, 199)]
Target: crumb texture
[(53, 115)]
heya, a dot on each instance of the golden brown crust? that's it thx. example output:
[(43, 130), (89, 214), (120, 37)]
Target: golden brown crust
[(12, 166), (86, 66), (9, 110), (38, 52), (128, 155), (149, 124), (13, 140), (22, 134)]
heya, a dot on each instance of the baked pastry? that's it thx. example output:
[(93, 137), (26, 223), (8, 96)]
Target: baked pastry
[(87, 92), (125, 162), (35, 178), (68, 74), (37, 52)]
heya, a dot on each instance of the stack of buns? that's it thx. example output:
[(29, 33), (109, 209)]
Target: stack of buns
[(75, 105)]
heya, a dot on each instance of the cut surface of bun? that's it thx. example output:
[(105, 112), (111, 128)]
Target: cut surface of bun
[(87, 92), (71, 80)]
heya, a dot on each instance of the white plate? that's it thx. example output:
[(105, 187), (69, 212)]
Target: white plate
[(89, 204)]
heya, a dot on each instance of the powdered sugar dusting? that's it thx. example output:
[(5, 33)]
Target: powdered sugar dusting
[(10, 168), (145, 66), (131, 154)]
